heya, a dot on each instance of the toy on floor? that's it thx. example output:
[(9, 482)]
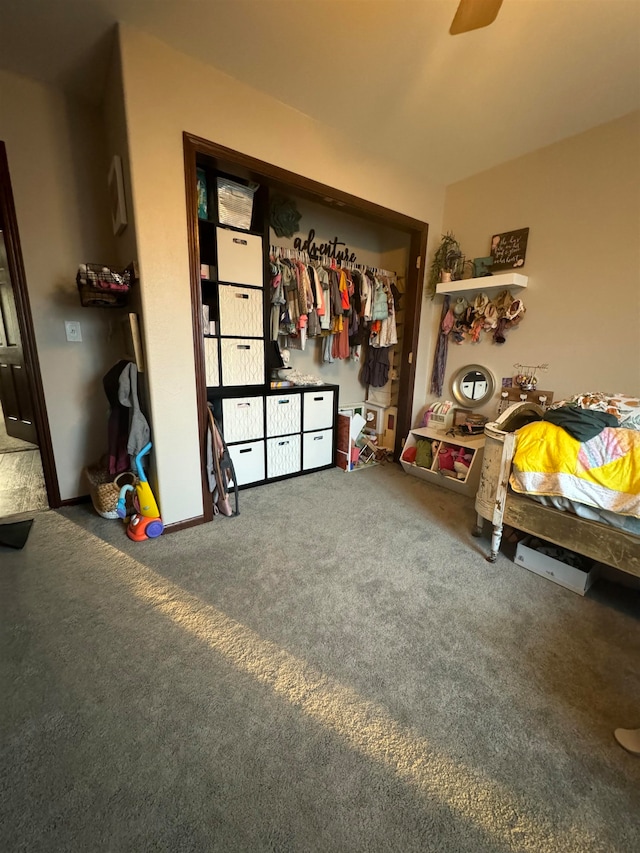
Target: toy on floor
[(141, 528), (146, 522)]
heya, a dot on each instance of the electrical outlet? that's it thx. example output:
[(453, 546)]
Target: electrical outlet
[(73, 331)]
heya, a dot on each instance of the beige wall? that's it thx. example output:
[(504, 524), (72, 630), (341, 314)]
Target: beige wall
[(167, 93), (581, 200), (58, 176)]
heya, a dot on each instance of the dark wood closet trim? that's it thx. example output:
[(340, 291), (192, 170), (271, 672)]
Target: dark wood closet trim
[(196, 318), (289, 182), (176, 526), (27, 334)]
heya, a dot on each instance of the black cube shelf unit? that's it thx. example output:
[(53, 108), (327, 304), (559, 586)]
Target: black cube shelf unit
[(272, 433)]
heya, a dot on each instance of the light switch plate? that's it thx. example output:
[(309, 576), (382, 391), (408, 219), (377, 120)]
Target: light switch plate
[(73, 331)]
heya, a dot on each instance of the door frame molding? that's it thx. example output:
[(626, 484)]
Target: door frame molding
[(27, 334), (276, 177)]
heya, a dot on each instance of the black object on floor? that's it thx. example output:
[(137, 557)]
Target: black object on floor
[(16, 534)]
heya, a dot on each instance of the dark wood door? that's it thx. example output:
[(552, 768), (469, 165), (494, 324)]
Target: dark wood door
[(15, 394)]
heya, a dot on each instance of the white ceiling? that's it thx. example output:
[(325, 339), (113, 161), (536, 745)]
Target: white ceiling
[(386, 72)]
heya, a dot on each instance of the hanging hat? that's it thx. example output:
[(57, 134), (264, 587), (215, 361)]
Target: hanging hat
[(515, 312), (480, 303), (503, 302), (490, 316)]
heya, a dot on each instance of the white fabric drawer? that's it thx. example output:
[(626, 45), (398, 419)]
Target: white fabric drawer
[(317, 449), (211, 368), (242, 418), (283, 455), (241, 311), (283, 414), (239, 257), (248, 462), (242, 361), (318, 410)]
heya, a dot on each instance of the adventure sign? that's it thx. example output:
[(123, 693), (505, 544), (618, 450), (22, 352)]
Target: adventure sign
[(331, 248)]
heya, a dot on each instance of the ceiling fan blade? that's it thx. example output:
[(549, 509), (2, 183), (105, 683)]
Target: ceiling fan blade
[(474, 14)]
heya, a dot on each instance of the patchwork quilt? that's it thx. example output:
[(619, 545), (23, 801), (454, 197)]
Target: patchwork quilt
[(603, 472)]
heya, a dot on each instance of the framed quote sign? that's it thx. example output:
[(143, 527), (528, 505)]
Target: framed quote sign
[(509, 250)]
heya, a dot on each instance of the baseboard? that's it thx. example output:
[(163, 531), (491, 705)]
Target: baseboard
[(81, 499), (175, 526)]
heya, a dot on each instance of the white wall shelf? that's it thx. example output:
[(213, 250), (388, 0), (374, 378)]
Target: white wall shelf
[(488, 284)]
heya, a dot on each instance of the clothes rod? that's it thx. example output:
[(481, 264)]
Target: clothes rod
[(303, 255)]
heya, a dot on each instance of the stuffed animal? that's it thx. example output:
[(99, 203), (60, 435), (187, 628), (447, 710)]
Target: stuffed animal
[(446, 457), (462, 462)]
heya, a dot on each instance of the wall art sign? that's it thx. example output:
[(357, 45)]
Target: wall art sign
[(284, 216), (331, 248), (509, 250)]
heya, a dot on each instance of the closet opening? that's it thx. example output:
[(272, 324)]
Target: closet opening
[(357, 233)]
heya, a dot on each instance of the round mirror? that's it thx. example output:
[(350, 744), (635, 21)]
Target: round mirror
[(473, 385)]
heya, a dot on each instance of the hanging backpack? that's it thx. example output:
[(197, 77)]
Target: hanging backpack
[(222, 476)]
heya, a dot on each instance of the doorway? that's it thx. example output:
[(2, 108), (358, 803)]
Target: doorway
[(28, 482)]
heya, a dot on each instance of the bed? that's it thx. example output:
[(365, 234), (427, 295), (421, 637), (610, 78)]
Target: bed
[(498, 501)]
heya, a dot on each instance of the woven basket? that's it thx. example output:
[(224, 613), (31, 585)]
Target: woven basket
[(105, 491)]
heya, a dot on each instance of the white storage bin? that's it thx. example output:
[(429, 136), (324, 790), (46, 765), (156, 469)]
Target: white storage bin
[(283, 455), (241, 311), (318, 410), (211, 367), (283, 414), (317, 449), (242, 418), (239, 257), (561, 573), (248, 461), (242, 361)]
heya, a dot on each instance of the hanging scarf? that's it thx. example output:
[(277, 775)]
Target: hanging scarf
[(440, 356)]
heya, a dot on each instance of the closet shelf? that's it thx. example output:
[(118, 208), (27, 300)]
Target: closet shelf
[(488, 284)]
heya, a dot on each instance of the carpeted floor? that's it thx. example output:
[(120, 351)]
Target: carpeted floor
[(338, 669)]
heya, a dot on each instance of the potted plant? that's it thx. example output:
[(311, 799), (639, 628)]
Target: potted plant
[(447, 264)]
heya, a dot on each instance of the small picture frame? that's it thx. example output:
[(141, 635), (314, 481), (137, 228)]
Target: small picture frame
[(116, 196), (460, 416)]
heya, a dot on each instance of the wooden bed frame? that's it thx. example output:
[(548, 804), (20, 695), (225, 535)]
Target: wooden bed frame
[(496, 502)]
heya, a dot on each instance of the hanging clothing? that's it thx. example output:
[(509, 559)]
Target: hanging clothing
[(341, 343), (346, 307), (127, 428), (376, 369)]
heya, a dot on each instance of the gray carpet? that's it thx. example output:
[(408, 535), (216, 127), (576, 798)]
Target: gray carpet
[(338, 669)]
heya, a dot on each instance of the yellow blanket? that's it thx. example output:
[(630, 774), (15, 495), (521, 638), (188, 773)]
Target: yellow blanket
[(603, 472)]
